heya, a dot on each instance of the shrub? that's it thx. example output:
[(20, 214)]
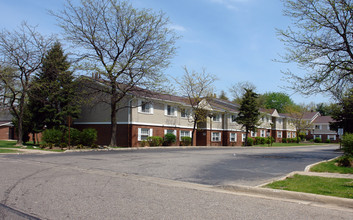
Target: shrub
[(347, 144), (169, 139), (268, 140), (144, 143), (284, 140), (52, 136), (75, 137), (250, 142), (185, 141), (345, 161), (317, 140), (155, 141), (328, 141), (259, 140), (302, 135), (311, 140), (88, 136)]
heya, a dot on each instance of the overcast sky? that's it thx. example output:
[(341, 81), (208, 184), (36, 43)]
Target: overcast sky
[(233, 39)]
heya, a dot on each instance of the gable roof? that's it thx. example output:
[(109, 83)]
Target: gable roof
[(323, 120)]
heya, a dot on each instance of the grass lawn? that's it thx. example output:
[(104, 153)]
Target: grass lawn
[(318, 185), (3, 151), (288, 144), (330, 167), (11, 144)]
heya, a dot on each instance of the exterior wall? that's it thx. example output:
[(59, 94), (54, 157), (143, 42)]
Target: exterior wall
[(4, 133), (158, 117)]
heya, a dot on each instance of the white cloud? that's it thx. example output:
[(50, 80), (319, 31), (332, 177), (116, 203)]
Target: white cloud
[(178, 28)]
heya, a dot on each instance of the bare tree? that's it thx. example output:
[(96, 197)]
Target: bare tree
[(197, 87), (298, 114), (126, 47), (21, 54), (320, 42), (238, 90)]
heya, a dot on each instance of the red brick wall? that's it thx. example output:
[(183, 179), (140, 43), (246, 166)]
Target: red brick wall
[(4, 133)]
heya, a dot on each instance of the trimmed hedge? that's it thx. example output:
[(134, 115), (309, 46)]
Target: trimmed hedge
[(185, 141), (347, 144), (155, 141)]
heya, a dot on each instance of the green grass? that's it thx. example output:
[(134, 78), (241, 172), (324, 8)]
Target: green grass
[(318, 185), (288, 144), (330, 167), (5, 151), (29, 145), (8, 144)]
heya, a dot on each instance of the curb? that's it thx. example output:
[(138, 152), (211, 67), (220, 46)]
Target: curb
[(282, 194)]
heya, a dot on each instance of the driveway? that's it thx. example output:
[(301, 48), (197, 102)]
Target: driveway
[(211, 166), (155, 184)]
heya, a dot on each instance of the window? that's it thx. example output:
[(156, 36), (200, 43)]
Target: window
[(288, 135), (145, 107), (216, 117), (233, 118), (262, 133), (318, 127), (233, 137), (144, 133), (170, 110), (279, 134), (331, 137), (185, 134), (280, 121), (170, 131), (294, 135), (243, 137), (253, 134), (185, 113), (216, 136), (317, 136)]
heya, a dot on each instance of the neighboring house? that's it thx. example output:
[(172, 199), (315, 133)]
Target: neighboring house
[(7, 131), (321, 129)]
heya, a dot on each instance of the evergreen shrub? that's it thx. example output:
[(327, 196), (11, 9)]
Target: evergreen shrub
[(185, 141), (169, 139), (347, 144), (154, 141)]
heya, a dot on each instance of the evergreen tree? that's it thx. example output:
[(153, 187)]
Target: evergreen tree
[(248, 113), (343, 114), (54, 96)]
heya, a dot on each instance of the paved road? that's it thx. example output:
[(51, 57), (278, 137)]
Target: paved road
[(154, 184)]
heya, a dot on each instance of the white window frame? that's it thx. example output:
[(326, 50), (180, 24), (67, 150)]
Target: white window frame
[(233, 137), (166, 131), (216, 136), (143, 102), (331, 135), (317, 135), (243, 137), (279, 134), (263, 133), (317, 127), (216, 117), (253, 134), (180, 134), (294, 135), (289, 135), (139, 136), (186, 112), (170, 110), (233, 118)]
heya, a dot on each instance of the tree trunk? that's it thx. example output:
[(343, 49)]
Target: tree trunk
[(193, 133), (113, 125), (246, 137)]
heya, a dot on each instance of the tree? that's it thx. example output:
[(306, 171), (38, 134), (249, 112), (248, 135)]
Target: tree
[(197, 87), (276, 100), (239, 88), (248, 113), (320, 41), (223, 96), (21, 54), (325, 109), (297, 114), (126, 47), (343, 114), (54, 96)]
